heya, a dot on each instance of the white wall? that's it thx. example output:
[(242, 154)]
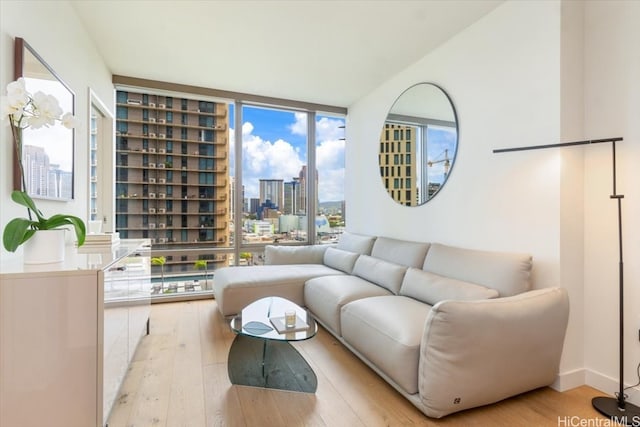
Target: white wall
[(571, 261), (532, 73), (612, 108), (504, 76), (53, 30)]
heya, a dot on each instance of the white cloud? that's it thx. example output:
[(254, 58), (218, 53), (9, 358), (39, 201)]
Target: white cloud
[(264, 159), (330, 159), (300, 125), (327, 128)]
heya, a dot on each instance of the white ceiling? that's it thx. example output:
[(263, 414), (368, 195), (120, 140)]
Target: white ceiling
[(328, 52)]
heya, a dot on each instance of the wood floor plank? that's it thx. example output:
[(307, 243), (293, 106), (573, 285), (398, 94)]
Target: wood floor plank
[(152, 398), (186, 399), (222, 404), (179, 378), (128, 393), (259, 406), (298, 409), (376, 402), (215, 334)]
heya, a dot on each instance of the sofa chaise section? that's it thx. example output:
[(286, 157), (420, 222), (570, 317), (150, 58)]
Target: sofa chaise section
[(237, 287)]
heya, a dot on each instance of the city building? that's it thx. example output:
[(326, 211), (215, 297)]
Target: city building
[(398, 162), (172, 183), (272, 190)]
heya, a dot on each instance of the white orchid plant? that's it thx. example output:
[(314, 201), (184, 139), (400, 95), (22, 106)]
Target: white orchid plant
[(35, 111)]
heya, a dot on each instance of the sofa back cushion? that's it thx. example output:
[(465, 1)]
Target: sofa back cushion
[(508, 273), (383, 273), (340, 260), (358, 243), (312, 254), (401, 252), (433, 288)]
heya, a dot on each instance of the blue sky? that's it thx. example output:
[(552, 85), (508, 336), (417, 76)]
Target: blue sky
[(274, 147), (439, 140)]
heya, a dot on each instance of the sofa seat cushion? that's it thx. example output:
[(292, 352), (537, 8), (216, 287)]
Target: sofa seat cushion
[(237, 287), (325, 296), (387, 331)]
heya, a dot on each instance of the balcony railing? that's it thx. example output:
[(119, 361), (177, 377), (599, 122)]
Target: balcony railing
[(180, 273)]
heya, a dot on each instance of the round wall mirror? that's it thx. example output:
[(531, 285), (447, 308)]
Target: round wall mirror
[(418, 144)]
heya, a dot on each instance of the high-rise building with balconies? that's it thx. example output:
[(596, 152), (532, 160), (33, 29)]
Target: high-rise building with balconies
[(397, 160), (172, 179)]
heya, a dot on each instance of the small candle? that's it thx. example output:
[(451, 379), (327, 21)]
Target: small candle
[(290, 318)]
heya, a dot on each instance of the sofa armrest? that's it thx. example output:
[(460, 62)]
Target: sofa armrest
[(310, 254), (475, 353)]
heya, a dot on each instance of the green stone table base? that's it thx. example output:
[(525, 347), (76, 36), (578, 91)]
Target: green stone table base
[(269, 364)]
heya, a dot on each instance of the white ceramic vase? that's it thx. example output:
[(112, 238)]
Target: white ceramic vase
[(44, 247)]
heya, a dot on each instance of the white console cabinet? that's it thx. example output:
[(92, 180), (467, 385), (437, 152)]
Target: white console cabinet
[(68, 332)]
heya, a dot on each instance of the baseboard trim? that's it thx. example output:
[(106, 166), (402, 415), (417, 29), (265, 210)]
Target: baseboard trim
[(610, 386), (568, 380)]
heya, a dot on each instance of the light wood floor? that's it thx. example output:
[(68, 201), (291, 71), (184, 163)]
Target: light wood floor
[(179, 378)]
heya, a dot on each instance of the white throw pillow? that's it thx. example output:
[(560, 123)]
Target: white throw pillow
[(381, 272), (508, 273), (312, 254), (340, 260), (356, 243), (432, 288)]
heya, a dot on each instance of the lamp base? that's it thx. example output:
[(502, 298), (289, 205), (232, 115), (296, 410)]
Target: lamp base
[(608, 406)]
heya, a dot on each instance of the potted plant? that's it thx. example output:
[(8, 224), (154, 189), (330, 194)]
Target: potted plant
[(35, 111)]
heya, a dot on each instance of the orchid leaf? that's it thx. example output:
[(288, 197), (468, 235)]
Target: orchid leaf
[(19, 230), (58, 220), (22, 198), (15, 233)]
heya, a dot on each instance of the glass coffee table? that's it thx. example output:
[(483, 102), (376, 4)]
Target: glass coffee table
[(261, 354)]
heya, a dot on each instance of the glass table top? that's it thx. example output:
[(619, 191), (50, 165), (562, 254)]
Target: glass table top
[(259, 319)]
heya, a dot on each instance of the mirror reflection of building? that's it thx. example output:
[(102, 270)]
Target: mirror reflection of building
[(418, 144)]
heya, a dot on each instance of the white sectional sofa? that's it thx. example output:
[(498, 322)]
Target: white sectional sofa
[(448, 328)]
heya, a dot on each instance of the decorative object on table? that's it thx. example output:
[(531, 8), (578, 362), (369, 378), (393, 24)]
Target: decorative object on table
[(38, 110), (617, 409), (282, 326)]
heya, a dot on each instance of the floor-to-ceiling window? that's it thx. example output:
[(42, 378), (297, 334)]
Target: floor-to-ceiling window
[(206, 202), (329, 159), (274, 176)]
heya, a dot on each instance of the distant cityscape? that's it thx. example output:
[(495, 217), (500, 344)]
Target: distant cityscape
[(173, 186), (45, 179)]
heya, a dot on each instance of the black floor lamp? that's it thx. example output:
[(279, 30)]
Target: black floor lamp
[(618, 409)]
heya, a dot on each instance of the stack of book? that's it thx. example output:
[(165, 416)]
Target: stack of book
[(101, 240)]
